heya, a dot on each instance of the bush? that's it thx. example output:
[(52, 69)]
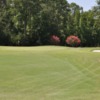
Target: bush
[(55, 40), (73, 41)]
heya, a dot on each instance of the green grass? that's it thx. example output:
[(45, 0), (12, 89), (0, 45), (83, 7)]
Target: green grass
[(49, 73)]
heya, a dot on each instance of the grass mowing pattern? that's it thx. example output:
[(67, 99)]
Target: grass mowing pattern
[(49, 73)]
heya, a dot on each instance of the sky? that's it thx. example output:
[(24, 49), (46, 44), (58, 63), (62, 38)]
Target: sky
[(86, 4)]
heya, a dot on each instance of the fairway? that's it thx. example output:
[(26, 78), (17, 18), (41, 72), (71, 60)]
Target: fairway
[(49, 73)]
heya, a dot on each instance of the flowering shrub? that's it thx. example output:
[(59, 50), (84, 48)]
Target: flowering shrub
[(73, 41), (55, 39)]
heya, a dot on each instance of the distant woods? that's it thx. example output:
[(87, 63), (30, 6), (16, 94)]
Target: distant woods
[(34, 22)]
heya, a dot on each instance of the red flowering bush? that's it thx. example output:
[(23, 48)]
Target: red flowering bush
[(73, 41), (55, 39)]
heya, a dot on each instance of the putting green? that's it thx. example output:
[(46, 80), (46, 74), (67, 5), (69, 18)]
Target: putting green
[(49, 73)]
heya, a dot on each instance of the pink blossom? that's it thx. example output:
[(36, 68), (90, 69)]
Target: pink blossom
[(55, 39), (73, 40)]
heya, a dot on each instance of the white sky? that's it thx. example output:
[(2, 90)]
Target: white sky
[(86, 4)]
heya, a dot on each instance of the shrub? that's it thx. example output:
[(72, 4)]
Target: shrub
[(55, 40), (73, 41)]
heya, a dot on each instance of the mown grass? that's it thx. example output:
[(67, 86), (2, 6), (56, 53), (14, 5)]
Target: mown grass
[(49, 73)]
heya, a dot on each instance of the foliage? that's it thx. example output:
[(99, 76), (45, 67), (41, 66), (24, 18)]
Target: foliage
[(73, 41), (55, 39), (32, 22)]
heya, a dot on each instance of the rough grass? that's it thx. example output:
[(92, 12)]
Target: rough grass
[(49, 73)]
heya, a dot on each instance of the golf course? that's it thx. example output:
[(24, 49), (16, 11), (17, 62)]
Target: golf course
[(49, 73)]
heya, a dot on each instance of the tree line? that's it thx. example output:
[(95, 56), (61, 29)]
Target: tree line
[(33, 22)]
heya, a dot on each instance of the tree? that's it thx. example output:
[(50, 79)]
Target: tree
[(35, 21)]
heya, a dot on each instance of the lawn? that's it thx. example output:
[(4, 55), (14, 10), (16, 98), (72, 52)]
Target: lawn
[(49, 73)]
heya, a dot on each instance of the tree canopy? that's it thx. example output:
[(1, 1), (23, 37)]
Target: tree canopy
[(33, 22)]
